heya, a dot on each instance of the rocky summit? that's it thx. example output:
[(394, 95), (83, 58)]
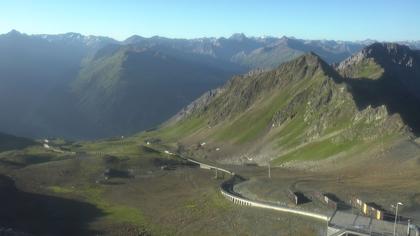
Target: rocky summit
[(386, 74)]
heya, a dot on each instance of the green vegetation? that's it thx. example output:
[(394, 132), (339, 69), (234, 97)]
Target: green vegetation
[(104, 73), (113, 212), (208, 202), (95, 195), (301, 109), (317, 151), (182, 128), (29, 156), (60, 189), (290, 134), (134, 89), (368, 69), (117, 147), (253, 122), (249, 122)]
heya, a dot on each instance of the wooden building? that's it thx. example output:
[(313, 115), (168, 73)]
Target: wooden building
[(372, 210), (328, 199), (296, 197)]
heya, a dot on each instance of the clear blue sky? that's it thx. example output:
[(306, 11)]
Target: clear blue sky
[(311, 19)]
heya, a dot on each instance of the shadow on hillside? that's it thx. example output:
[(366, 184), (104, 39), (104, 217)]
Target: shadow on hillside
[(391, 93), (9, 142), (302, 199), (397, 90), (44, 215)]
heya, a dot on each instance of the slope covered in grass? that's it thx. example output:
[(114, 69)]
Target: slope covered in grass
[(303, 110)]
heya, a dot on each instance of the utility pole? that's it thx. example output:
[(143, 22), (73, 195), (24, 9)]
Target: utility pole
[(382, 144), (269, 170), (408, 228), (328, 225), (216, 173), (396, 216)]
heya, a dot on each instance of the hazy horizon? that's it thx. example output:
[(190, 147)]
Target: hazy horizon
[(330, 20), (210, 37)]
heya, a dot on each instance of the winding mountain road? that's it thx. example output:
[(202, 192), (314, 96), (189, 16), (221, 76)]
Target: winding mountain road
[(226, 188), (334, 225)]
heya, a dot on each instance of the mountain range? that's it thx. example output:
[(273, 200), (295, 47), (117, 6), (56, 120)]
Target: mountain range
[(351, 126), (85, 87), (306, 110)]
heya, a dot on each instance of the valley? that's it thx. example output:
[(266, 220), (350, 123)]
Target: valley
[(76, 87), (124, 186), (181, 201), (210, 136)]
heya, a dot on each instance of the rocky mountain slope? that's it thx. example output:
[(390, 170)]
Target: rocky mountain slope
[(77, 86), (304, 110), (135, 88), (34, 73), (285, 49), (389, 75), (84, 87)]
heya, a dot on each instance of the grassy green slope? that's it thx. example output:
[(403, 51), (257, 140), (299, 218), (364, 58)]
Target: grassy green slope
[(367, 68), (300, 111)]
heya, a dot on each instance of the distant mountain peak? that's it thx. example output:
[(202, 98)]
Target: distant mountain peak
[(391, 49), (73, 35), (311, 58), (287, 41), (134, 39), (284, 39), (238, 36), (385, 55), (14, 32)]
